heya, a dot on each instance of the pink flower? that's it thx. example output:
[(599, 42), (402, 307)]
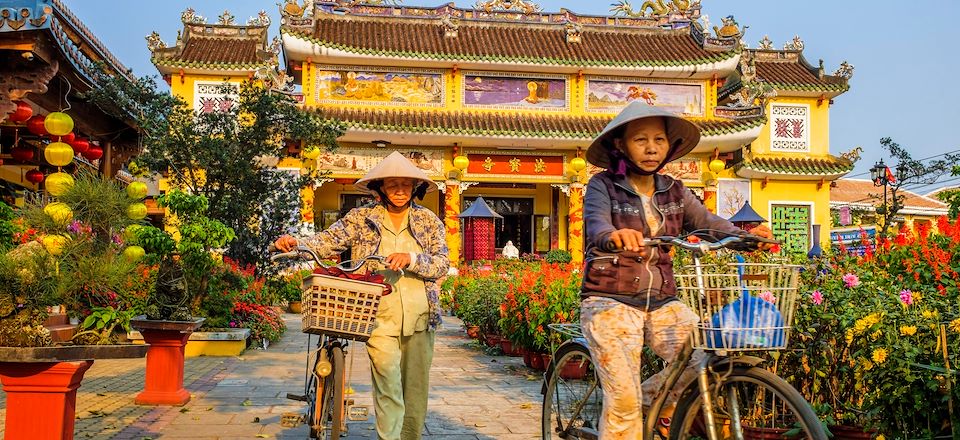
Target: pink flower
[(817, 297), (768, 297), (851, 280), (906, 297)]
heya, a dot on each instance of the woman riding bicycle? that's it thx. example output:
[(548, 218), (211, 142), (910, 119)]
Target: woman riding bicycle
[(412, 239), (624, 204)]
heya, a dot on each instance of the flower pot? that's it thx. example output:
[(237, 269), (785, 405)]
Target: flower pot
[(756, 433), (536, 361), (844, 432), (508, 348), (473, 331), (574, 370), (294, 307), (164, 372), (492, 340), (545, 361)]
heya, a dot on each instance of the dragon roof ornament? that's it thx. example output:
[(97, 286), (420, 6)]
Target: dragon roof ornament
[(656, 8), (154, 42), (189, 15), (524, 6), (845, 70), (262, 19), (795, 44), (766, 43), (226, 19)]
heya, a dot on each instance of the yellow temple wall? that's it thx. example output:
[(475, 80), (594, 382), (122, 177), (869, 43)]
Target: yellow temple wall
[(185, 90), (819, 127), (794, 192)]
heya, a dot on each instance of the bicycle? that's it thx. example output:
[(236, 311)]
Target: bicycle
[(732, 394), (339, 310)]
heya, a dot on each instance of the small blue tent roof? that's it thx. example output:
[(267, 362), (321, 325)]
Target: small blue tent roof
[(478, 209), (746, 214)]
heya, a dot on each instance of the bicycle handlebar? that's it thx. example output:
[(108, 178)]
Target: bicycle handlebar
[(300, 250), (703, 246)]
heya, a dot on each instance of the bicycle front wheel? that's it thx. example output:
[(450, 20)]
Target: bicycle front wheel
[(572, 399), (325, 411), (749, 401)]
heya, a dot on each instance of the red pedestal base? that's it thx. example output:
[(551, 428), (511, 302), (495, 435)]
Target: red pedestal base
[(164, 381), (41, 398)]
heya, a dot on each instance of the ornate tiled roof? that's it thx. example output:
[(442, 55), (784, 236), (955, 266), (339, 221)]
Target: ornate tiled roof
[(829, 167), (221, 46), (519, 125), (787, 72), (452, 34)]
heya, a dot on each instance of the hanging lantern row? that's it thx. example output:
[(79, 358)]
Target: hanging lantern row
[(34, 176)]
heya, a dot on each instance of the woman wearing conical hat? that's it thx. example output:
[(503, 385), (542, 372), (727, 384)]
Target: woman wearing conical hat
[(622, 205), (412, 239)]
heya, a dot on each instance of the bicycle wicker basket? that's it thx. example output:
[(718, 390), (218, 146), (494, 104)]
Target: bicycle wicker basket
[(741, 306), (340, 307)]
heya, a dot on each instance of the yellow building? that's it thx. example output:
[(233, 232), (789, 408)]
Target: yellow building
[(499, 101)]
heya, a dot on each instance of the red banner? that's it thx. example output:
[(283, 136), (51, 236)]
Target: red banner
[(521, 165)]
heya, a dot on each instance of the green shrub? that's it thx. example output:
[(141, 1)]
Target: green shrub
[(558, 256)]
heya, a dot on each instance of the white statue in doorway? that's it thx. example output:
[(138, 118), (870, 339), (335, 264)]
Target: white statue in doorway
[(510, 251)]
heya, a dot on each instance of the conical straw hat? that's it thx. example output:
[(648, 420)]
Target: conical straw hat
[(395, 165), (682, 134)]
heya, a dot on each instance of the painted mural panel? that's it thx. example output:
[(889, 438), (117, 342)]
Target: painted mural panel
[(355, 162), (732, 194), (612, 95), (515, 92), (370, 86)]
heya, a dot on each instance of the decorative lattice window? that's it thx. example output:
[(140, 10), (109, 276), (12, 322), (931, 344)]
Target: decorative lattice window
[(790, 127), (791, 226), (214, 96)]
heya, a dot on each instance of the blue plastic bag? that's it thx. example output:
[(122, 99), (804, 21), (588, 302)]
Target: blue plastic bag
[(748, 322)]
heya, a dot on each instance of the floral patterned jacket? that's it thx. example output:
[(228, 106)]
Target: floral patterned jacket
[(360, 231)]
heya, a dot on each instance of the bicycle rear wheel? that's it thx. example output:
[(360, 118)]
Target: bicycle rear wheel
[(572, 399), (325, 397), (762, 402)]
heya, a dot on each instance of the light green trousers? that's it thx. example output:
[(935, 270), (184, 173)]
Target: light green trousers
[(400, 367)]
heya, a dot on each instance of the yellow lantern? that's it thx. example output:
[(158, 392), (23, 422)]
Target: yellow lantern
[(717, 166), (59, 183), (578, 164), (54, 244), (58, 123), (133, 253), (136, 211), (58, 154), (137, 190), (59, 212), (311, 153), (461, 162)]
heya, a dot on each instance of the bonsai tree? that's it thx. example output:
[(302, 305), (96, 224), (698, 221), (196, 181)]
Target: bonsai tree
[(28, 285), (185, 264), (91, 266)]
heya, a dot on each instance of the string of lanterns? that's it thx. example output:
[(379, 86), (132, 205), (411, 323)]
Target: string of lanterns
[(58, 127)]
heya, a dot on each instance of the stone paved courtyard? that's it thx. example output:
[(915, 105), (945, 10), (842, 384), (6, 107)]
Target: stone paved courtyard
[(473, 395)]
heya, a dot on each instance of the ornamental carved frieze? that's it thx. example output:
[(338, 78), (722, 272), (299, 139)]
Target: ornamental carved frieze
[(524, 6), (16, 81)]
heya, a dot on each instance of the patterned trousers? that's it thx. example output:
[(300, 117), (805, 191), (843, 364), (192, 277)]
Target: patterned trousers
[(615, 334)]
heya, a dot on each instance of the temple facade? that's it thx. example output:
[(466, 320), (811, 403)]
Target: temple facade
[(501, 99)]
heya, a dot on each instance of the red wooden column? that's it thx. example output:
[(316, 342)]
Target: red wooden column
[(164, 381), (41, 398)]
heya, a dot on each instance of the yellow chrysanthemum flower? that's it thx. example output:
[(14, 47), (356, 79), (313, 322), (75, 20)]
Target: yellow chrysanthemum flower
[(908, 330), (860, 326), (881, 437), (880, 355), (876, 335), (955, 325), (917, 296), (850, 335), (930, 314)]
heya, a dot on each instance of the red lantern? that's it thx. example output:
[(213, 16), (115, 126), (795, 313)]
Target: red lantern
[(22, 154), (34, 176), (21, 114), (35, 125), (93, 153), (80, 145), (69, 137)]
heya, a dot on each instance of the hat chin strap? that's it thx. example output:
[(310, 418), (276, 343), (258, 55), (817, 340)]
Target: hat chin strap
[(386, 200)]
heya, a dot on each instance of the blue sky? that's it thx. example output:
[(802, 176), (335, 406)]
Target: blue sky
[(903, 87)]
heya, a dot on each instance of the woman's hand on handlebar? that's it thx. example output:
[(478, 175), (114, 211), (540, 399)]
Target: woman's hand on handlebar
[(398, 261), (765, 232), (627, 239), (285, 243)]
